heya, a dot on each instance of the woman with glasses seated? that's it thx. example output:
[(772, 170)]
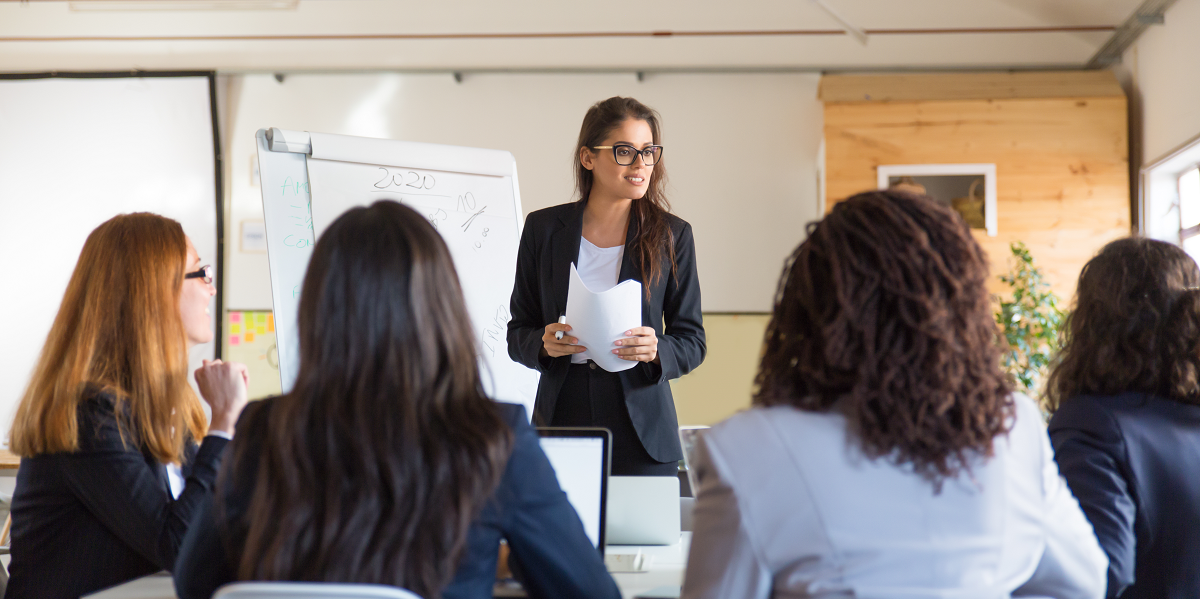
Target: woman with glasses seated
[(886, 454), (1124, 390), (386, 463), (620, 228), (110, 472)]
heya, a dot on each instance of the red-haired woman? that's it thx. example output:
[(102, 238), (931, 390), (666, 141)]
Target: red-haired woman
[(1125, 394), (885, 455), (620, 228), (110, 471)]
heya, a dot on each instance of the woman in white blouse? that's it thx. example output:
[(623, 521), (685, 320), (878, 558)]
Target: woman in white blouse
[(886, 455)]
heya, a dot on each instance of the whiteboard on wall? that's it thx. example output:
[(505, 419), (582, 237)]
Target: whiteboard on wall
[(469, 195), (74, 152)]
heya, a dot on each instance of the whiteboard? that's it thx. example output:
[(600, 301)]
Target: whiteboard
[(73, 154), (469, 195)]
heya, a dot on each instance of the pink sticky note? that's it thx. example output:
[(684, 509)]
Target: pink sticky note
[(235, 317), (235, 339)]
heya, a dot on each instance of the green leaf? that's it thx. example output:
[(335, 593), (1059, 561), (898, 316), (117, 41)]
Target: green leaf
[(1030, 320)]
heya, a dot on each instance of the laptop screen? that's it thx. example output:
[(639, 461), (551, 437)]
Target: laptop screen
[(579, 463)]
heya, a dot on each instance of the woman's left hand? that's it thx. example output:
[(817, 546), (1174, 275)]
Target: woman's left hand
[(640, 345)]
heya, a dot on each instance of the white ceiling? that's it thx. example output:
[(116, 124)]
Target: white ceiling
[(94, 37)]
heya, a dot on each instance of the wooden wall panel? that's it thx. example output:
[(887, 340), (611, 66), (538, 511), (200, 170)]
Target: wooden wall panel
[(1062, 177), (911, 87)]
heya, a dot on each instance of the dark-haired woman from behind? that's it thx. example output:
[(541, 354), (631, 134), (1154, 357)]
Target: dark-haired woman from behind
[(1124, 390), (886, 455), (386, 463)]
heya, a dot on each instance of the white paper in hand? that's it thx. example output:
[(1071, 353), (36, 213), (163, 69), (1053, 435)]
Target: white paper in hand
[(599, 319)]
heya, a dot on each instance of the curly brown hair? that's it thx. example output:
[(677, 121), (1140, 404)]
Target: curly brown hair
[(1133, 327), (884, 309)]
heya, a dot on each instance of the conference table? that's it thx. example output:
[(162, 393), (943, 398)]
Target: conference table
[(666, 570)]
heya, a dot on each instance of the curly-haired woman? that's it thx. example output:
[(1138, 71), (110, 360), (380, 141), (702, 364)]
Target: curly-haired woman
[(1125, 429), (886, 455)]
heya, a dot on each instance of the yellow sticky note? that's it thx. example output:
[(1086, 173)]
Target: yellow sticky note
[(260, 329), (260, 317), (248, 337), (235, 328)]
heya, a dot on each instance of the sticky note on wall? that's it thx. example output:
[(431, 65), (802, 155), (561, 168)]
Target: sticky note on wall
[(246, 327)]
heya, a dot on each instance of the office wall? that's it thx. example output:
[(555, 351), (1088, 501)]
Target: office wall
[(1062, 175), (741, 152), (722, 385), (1162, 75)]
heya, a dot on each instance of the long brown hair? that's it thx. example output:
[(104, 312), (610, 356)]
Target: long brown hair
[(652, 234), (884, 307), (375, 464), (1134, 325), (119, 329)]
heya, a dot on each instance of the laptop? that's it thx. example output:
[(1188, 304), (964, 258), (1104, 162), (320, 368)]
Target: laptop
[(580, 457), (643, 510)]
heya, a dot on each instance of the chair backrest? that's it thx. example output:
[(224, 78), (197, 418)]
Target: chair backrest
[(310, 590)]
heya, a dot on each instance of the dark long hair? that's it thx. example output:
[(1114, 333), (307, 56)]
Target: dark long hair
[(1133, 326), (376, 463), (652, 234), (884, 307)]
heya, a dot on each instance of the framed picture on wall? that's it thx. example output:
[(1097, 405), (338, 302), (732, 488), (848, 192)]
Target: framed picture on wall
[(970, 189)]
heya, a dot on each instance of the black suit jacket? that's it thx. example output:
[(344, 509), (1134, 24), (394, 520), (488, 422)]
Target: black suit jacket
[(528, 508), (550, 243), (103, 515), (1132, 461)]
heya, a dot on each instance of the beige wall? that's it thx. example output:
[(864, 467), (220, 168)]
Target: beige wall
[(1162, 73), (721, 385), (747, 210)]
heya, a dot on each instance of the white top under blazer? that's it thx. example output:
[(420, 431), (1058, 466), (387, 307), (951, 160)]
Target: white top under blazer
[(788, 506)]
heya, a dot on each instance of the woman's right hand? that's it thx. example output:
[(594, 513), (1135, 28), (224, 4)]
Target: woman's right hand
[(559, 347), (223, 387)]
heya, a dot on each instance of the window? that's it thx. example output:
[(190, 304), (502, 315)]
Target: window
[(1188, 203), (1170, 199)]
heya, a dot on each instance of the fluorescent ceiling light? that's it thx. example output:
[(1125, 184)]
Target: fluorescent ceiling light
[(193, 5)]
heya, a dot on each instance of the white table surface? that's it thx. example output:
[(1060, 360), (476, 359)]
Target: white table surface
[(666, 569)]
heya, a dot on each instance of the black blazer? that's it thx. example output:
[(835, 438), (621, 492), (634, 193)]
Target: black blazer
[(1132, 461), (528, 508), (103, 515), (550, 243)]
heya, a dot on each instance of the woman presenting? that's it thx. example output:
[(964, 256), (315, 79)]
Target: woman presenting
[(621, 228)]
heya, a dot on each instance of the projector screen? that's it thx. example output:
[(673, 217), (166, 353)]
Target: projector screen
[(75, 151)]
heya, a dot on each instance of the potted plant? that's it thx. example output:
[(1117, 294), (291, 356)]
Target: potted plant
[(1029, 320)]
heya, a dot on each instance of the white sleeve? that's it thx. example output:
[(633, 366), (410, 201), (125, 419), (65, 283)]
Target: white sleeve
[(722, 562), (1073, 566)]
